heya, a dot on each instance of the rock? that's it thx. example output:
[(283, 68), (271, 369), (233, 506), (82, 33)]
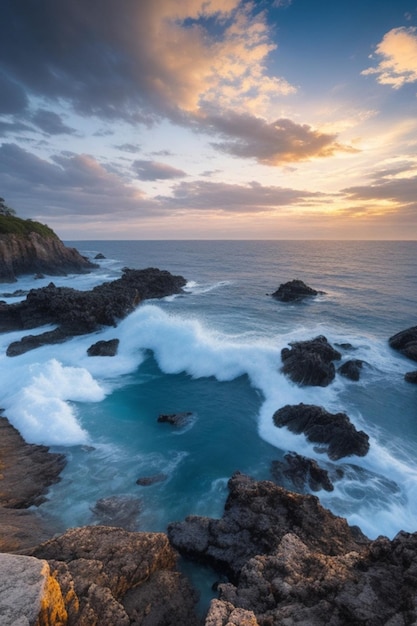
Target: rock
[(34, 253), (29, 594), (405, 342), (111, 576), (120, 511), (301, 472), (257, 516), (310, 362), (292, 562), (294, 291), (411, 377), (176, 419), (99, 256), (351, 369), (104, 348), (80, 312), (145, 481), (335, 431)]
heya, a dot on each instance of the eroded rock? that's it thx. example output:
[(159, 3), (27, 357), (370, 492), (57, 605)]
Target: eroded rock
[(310, 362), (294, 291)]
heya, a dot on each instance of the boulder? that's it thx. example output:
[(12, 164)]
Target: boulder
[(294, 291), (310, 362), (175, 419), (334, 431), (79, 312), (351, 369), (104, 348), (29, 594), (112, 576), (301, 473), (405, 342), (411, 377)]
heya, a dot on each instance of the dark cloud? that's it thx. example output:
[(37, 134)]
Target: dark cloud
[(51, 123), (132, 148), (252, 198), (400, 190), (152, 170), (13, 98), (275, 143)]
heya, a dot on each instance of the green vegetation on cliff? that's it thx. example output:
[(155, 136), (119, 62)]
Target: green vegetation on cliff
[(12, 225)]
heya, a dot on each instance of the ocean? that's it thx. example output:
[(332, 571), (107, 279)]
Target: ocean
[(214, 351)]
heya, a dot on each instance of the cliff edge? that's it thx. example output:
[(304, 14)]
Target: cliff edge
[(28, 247)]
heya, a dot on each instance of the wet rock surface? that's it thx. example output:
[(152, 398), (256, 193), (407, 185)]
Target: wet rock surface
[(351, 369), (310, 362), (104, 348), (80, 312), (175, 419), (294, 291), (405, 342), (333, 430), (301, 473)]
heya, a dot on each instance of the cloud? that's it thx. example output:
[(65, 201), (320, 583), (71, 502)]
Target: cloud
[(223, 197), (69, 185), (51, 123), (152, 170), (128, 147), (399, 63), (275, 143)]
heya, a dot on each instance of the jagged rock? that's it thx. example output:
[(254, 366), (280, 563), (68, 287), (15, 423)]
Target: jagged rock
[(310, 362), (351, 369), (111, 576), (29, 594), (145, 481), (176, 419), (302, 473), (34, 253), (80, 312), (292, 562), (293, 291), (120, 511), (256, 517), (104, 348), (411, 377), (405, 342), (99, 256), (334, 430)]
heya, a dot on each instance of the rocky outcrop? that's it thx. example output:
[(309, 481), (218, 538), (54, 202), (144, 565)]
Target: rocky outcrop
[(333, 431), (294, 291), (104, 348), (301, 473), (111, 576), (79, 312), (405, 342), (27, 472), (34, 253), (351, 369), (292, 562), (310, 362)]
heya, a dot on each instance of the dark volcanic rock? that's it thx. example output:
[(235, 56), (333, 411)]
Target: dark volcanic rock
[(411, 377), (405, 342), (79, 312), (351, 369), (310, 362), (176, 419), (104, 348), (301, 472), (335, 431), (293, 291)]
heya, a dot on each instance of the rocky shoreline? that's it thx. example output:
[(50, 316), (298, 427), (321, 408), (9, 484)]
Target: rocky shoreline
[(280, 557)]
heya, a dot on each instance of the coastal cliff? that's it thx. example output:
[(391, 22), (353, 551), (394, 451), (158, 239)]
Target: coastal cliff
[(28, 247)]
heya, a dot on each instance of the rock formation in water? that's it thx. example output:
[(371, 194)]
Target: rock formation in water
[(406, 342), (28, 247), (294, 291), (310, 362), (78, 312)]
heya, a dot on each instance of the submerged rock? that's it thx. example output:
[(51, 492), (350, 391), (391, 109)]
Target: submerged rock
[(120, 511), (310, 362), (145, 481), (176, 419), (334, 430), (411, 377), (293, 291), (302, 473)]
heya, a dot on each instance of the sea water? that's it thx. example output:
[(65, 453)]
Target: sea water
[(214, 351)]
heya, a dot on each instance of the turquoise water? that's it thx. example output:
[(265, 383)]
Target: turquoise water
[(215, 352)]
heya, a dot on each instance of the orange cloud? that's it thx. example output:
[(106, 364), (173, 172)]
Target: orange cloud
[(399, 51)]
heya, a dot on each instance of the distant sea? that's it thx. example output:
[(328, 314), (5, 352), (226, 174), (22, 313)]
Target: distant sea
[(214, 351)]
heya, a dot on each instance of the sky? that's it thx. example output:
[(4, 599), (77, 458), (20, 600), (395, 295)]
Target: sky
[(210, 119)]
